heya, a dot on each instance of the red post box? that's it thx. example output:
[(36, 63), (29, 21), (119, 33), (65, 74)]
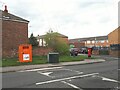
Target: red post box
[(89, 52), (25, 53)]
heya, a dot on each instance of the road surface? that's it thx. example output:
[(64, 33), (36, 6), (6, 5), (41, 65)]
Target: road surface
[(97, 75)]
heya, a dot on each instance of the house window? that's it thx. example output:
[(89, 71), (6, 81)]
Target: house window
[(44, 43), (40, 42), (97, 41), (107, 41), (93, 41), (102, 41), (88, 42)]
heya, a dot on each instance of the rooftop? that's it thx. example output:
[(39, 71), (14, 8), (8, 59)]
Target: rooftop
[(89, 39), (61, 35), (4, 15)]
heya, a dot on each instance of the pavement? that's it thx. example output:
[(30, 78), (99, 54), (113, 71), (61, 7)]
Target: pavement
[(27, 67)]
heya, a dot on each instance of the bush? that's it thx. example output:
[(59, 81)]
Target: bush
[(33, 41), (57, 43)]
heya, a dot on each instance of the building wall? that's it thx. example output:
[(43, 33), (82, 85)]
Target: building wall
[(113, 36), (66, 40), (42, 42), (41, 51), (95, 52), (13, 34), (100, 43), (78, 44), (114, 53)]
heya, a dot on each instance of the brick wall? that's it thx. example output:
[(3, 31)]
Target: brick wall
[(13, 34), (95, 52), (113, 36), (115, 53), (66, 40), (79, 44), (41, 51)]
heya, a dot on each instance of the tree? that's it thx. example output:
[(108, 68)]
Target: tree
[(33, 40), (57, 43)]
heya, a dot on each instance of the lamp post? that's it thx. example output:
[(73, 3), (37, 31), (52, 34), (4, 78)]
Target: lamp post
[(79, 43), (95, 43)]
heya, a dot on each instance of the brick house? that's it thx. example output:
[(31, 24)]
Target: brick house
[(99, 41), (99, 44), (113, 36), (78, 42), (42, 49), (114, 41), (41, 41), (14, 33)]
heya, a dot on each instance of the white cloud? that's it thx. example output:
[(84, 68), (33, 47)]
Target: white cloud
[(74, 18)]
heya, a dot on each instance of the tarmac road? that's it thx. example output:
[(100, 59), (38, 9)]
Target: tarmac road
[(96, 75)]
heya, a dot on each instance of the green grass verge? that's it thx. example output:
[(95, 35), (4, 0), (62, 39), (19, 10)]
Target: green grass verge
[(41, 60), (71, 58)]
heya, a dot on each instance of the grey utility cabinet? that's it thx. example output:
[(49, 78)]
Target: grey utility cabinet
[(53, 58)]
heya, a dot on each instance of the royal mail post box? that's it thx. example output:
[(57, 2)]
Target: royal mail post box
[(89, 52), (25, 53)]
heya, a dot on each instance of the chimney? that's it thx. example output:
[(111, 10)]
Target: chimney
[(6, 9)]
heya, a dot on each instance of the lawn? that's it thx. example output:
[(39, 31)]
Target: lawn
[(40, 60)]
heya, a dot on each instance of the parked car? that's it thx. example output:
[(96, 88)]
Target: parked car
[(84, 50), (74, 51)]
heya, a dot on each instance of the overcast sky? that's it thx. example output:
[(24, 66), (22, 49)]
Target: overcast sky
[(73, 18)]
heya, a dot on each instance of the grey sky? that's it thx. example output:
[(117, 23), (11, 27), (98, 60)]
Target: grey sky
[(74, 18)]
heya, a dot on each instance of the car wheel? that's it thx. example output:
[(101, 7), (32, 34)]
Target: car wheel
[(75, 54)]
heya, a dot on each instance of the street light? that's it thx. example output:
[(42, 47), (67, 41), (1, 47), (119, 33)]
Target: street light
[(95, 42), (79, 43)]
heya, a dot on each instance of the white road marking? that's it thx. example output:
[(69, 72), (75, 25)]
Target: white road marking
[(78, 72), (116, 58), (46, 73), (31, 70), (118, 87), (70, 85), (108, 79), (56, 80)]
